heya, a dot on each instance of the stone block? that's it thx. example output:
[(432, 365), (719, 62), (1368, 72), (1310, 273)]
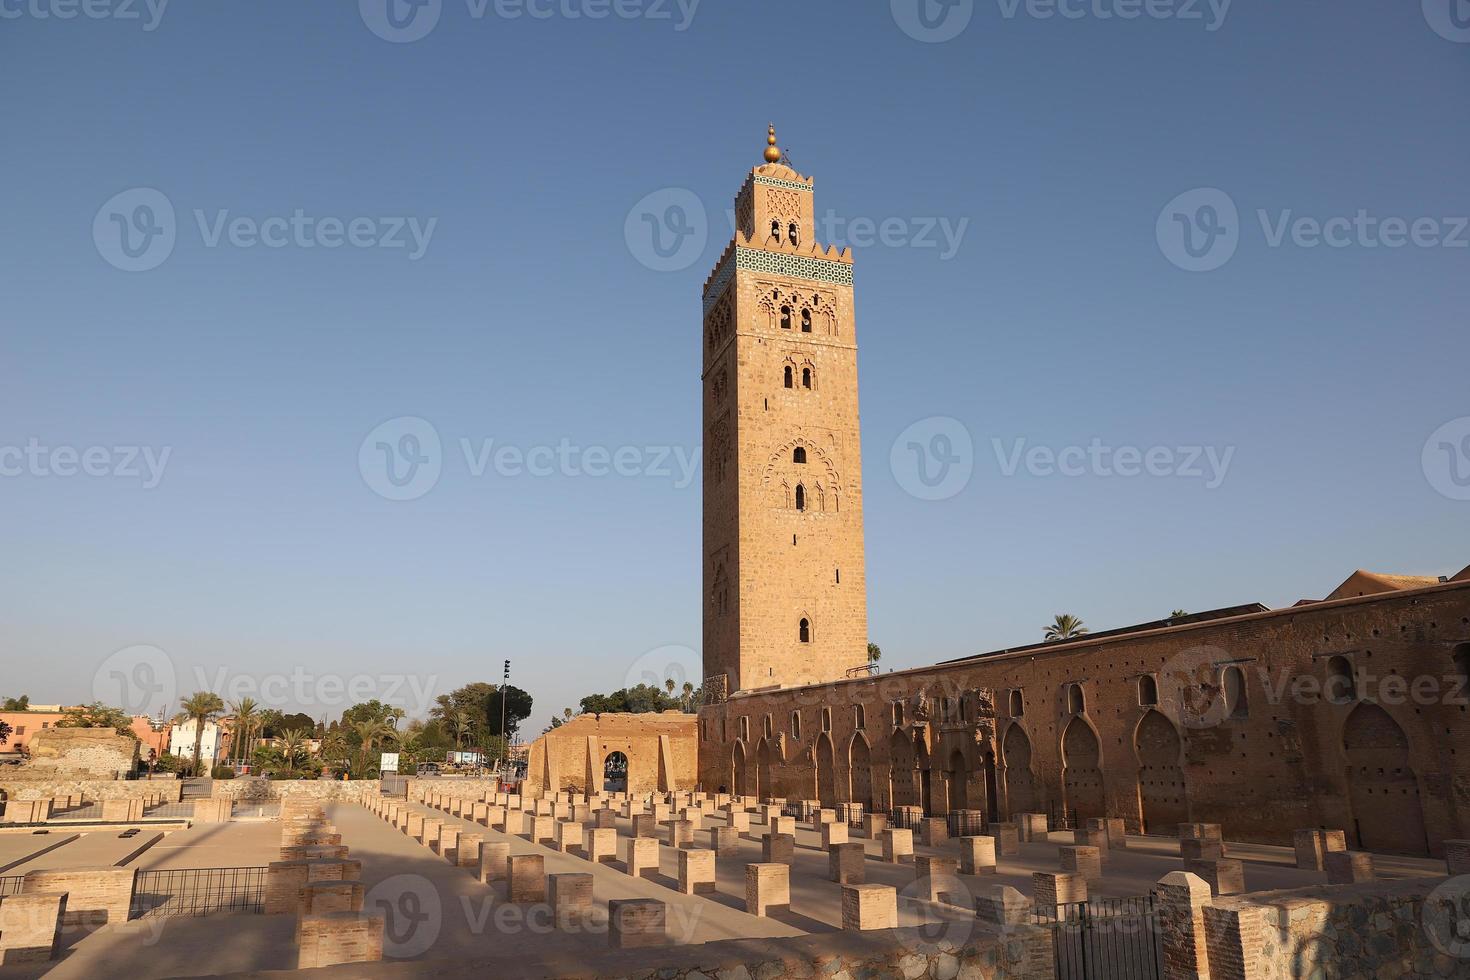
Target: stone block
[(898, 844), (494, 861), (123, 811), (568, 836), (681, 833), (867, 907), (600, 844), (448, 840), (769, 812), (696, 871), (283, 883), (319, 897), (834, 833), (605, 819), (977, 855), (1225, 876), (1007, 840), (1049, 888), (784, 825), (778, 848), (643, 856), (30, 927), (339, 937), (1311, 847), (933, 831), (767, 888), (527, 878), (542, 829), (1085, 861), (94, 896), (1093, 838), (723, 839), (467, 854), (636, 923), (1457, 857), (874, 824), (1031, 827), (643, 825), (570, 897), (846, 864), (413, 826), (936, 877), (1348, 867), (480, 814), (1193, 849), (737, 820), (1002, 905)]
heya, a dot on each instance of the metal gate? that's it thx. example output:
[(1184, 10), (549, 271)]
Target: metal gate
[(1104, 938)]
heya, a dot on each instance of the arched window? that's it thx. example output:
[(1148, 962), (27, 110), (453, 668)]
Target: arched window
[(791, 232), (776, 228), (788, 376), (800, 501), (804, 631), (796, 725), (1237, 703), (1148, 691), (806, 321), (785, 318), (806, 377), (1018, 704), (1341, 688), (798, 455), (1075, 702)]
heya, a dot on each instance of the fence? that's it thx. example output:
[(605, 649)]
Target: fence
[(198, 891), (10, 884), (1104, 939)]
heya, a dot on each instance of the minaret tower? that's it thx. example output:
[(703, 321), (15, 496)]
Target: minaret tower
[(785, 592)]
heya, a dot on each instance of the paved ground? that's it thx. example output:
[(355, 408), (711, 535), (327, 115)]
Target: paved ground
[(437, 911), (93, 850)]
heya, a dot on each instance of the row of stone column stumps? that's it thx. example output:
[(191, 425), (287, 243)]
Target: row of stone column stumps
[(318, 882)]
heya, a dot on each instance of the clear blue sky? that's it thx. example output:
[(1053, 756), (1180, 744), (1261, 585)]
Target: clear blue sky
[(529, 319)]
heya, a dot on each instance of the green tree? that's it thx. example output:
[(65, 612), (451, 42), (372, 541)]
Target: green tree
[(200, 707), (875, 652), (1064, 627), (1178, 614), (517, 709), (293, 749), (5, 732), (635, 700), (246, 713), (22, 703), (97, 715)]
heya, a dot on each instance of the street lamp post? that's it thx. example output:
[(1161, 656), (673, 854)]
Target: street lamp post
[(504, 682)]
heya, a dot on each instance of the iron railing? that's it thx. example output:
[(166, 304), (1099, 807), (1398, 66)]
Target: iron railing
[(10, 884), (1104, 938), (198, 891)]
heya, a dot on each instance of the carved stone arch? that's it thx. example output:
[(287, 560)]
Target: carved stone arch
[(902, 770), (1163, 790), (1020, 781), (1383, 788), (824, 755), (765, 755), (1082, 783), (740, 770), (816, 456)]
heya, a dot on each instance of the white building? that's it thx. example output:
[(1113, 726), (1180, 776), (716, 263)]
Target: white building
[(181, 742)]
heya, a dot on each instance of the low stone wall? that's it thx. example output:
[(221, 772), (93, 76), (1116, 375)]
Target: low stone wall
[(252, 789), (91, 790), (1405, 928)]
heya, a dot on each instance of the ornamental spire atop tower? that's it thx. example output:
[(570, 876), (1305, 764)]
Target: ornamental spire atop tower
[(773, 152)]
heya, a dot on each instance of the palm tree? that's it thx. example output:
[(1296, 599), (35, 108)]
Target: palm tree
[(293, 747), (1178, 614), (669, 685), (200, 707), (566, 713), (688, 694), (371, 734), (875, 653), (459, 724), (1064, 627), (245, 711)]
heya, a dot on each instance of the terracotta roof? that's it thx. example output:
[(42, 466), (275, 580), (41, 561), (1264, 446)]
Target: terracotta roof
[(1464, 575), (1373, 583)]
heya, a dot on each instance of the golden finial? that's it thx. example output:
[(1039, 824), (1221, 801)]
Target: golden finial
[(773, 152)]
